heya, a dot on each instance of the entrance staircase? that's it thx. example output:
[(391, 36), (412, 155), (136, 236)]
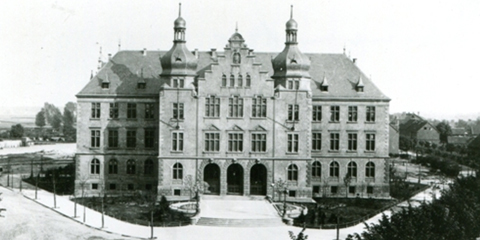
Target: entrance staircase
[(237, 211)]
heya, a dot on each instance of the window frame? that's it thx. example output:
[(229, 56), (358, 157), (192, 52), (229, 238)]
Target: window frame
[(131, 138), (95, 138), (292, 142), (113, 166), (149, 137), (235, 107), (212, 144), (258, 142), (335, 114), (131, 167), (178, 111), (370, 139), (293, 112), (352, 169), (317, 113), (113, 138), (96, 110), (334, 169), (148, 167), (177, 171), (212, 107), (95, 166), (292, 172), (316, 141), (352, 142), (131, 111), (177, 141), (370, 170), (370, 113), (352, 114), (114, 110), (235, 142), (259, 107), (317, 169), (334, 141), (149, 111)]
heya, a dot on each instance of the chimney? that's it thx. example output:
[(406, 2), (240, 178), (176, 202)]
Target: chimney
[(196, 53), (214, 52), (144, 52), (109, 56), (354, 60), (250, 52)]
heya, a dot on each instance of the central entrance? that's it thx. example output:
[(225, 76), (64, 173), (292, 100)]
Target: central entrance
[(258, 180), (235, 179), (211, 175)]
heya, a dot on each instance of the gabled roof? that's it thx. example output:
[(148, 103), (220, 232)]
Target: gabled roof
[(413, 125), (126, 67)]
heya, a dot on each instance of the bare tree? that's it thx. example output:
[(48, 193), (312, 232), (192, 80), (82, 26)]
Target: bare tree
[(347, 180), (83, 183)]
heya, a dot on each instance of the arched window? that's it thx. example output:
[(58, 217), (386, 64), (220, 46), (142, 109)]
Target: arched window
[(131, 166), (113, 166), (224, 80), (249, 81), (370, 169), (236, 58), (292, 172), (334, 169), (240, 80), (177, 171), (148, 167), (95, 166), (316, 169), (232, 80), (352, 169)]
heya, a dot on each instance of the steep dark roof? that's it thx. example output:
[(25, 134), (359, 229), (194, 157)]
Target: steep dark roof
[(412, 125), (127, 68), (475, 143)]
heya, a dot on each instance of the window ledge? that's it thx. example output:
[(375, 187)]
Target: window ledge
[(369, 151), (176, 152), (211, 117), (149, 119), (94, 148), (352, 151), (234, 118), (317, 151), (317, 121), (177, 120), (263, 152), (210, 152), (94, 119), (333, 151), (352, 122), (132, 119), (291, 153), (293, 121), (113, 119), (112, 148), (229, 152), (370, 122), (258, 118)]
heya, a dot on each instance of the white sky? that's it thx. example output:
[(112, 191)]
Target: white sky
[(424, 55)]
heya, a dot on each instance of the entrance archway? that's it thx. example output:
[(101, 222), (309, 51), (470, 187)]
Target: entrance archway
[(235, 179), (211, 175), (258, 180)]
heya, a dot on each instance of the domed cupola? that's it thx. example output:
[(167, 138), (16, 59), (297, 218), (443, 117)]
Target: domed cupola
[(179, 60), (236, 40), (291, 62)]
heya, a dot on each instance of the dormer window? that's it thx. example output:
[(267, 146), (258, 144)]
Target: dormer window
[(178, 83), (359, 88), (105, 85), (360, 85), (324, 88), (141, 85)]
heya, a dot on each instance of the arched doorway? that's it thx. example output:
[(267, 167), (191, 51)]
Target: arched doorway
[(235, 179), (211, 175), (258, 180)]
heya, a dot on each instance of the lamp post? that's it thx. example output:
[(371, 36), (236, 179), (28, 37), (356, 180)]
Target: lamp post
[(285, 192)]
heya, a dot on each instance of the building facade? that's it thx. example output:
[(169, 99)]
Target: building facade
[(233, 122)]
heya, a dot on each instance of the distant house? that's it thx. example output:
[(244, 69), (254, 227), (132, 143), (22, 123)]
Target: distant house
[(416, 128), (394, 136), (26, 141)]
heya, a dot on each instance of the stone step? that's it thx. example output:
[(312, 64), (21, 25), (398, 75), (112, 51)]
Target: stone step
[(230, 222)]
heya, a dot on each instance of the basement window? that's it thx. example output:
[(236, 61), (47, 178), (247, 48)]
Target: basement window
[(94, 186), (176, 192)]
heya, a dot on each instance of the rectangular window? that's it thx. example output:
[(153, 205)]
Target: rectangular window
[(317, 114), (292, 143), (176, 192), (94, 186), (334, 189), (259, 142), (235, 142), (235, 107), (149, 138), (212, 142), (370, 114), (293, 113), (334, 113), (212, 106), (95, 110), (178, 82), (316, 189), (131, 110), (334, 141), (149, 111), (352, 141), (352, 113), (351, 189), (95, 138), (316, 141), (113, 138), (292, 193), (293, 84), (178, 111), (113, 186), (131, 138), (114, 110), (369, 189), (259, 107), (177, 141), (130, 186), (370, 142)]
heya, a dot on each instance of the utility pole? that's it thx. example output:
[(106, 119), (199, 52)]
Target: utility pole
[(54, 190), (8, 172)]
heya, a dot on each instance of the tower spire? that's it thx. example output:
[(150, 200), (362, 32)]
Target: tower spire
[(179, 9), (236, 27), (291, 11)]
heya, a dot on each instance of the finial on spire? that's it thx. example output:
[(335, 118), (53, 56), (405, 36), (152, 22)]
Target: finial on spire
[(291, 11), (119, 44), (236, 26), (179, 9)]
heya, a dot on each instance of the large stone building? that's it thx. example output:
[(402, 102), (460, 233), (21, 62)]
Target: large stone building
[(236, 120)]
